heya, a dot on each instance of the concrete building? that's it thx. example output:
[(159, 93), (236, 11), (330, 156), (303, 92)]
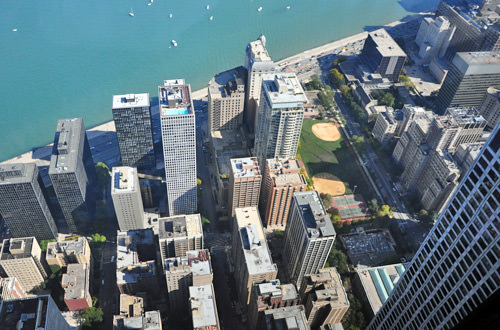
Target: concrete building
[(281, 180), (455, 270), (433, 37), (226, 100), (76, 285), (203, 307), (132, 117), (385, 127), (383, 55), (178, 131), (269, 295), (324, 297), (23, 202), (251, 255), (279, 118), (136, 262), (244, 183), (466, 154), (10, 288), (182, 272), (490, 107), (308, 238), (127, 200), (37, 312), (288, 318), (258, 63), (62, 253), (179, 234), (146, 194), (22, 258), (72, 173), (376, 284), (468, 78), (132, 315)]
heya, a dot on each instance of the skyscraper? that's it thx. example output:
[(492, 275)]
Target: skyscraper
[(23, 202), (244, 183), (490, 107), (126, 195), (279, 118), (226, 100), (132, 116), (281, 180), (456, 268), (178, 133), (258, 63), (383, 55), (309, 236), (468, 78), (72, 173)]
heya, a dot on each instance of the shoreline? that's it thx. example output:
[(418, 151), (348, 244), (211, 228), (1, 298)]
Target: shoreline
[(109, 126)]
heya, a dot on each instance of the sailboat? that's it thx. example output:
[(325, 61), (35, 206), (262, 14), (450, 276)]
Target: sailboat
[(207, 7), (287, 7), (131, 13), (170, 15), (174, 43), (211, 18), (259, 9)]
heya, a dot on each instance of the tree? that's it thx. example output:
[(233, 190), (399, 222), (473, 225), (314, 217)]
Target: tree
[(44, 243), (98, 238), (373, 206), (336, 78), (384, 210), (102, 171), (91, 317), (336, 218), (339, 60), (198, 181), (337, 259), (315, 83), (205, 222), (278, 233), (327, 200), (388, 100)]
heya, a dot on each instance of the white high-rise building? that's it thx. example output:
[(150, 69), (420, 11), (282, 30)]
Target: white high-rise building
[(258, 63), (309, 236), (178, 131), (127, 200), (457, 268), (279, 118)]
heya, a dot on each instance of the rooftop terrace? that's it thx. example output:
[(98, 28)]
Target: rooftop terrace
[(245, 167), (175, 98), (127, 101)]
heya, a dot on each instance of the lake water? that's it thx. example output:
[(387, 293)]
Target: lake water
[(68, 57)]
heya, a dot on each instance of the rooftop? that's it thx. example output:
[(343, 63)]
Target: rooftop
[(259, 51), (477, 62), (245, 167), (495, 92), (131, 306), (67, 147), (286, 318), (175, 98), (75, 282), (17, 248), (385, 44), (283, 165), (203, 307), (378, 282), (195, 261), (317, 222), (249, 215), (135, 256), (16, 173), (330, 287), (74, 247), (127, 101), (257, 254), (283, 90), (466, 116), (25, 313), (124, 180), (180, 226), (228, 82)]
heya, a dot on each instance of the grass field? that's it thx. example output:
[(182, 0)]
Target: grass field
[(333, 157)]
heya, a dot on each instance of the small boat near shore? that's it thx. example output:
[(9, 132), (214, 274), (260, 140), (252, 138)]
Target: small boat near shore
[(170, 15), (174, 43), (287, 7), (15, 29), (259, 9), (211, 18), (207, 7), (131, 13)]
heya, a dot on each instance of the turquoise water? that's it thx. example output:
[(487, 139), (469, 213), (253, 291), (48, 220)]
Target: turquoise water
[(70, 56)]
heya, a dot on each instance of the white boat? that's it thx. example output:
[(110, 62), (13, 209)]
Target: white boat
[(287, 7), (150, 3), (207, 7), (211, 18), (259, 9), (131, 13), (174, 43), (14, 30), (170, 15)]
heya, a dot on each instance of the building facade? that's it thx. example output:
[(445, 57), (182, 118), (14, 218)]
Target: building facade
[(22, 258), (279, 118), (281, 180), (72, 173), (456, 268), (178, 131), (226, 100), (23, 202), (258, 63), (10, 288), (126, 196), (468, 78), (490, 107), (244, 183), (179, 234), (309, 236), (433, 38), (132, 117)]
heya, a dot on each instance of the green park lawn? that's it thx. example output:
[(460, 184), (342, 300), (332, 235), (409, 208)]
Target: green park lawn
[(335, 158)]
